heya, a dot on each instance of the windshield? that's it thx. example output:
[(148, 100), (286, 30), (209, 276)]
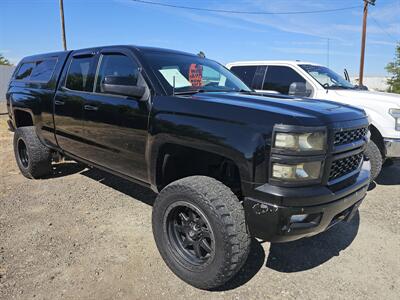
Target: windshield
[(327, 78), (191, 74)]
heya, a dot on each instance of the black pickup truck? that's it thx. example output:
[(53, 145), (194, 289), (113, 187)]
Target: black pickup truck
[(228, 164)]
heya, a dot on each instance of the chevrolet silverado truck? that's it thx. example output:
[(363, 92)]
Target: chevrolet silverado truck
[(305, 79), (227, 165)]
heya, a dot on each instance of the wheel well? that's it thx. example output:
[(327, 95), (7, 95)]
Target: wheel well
[(377, 138), (22, 118), (175, 162)]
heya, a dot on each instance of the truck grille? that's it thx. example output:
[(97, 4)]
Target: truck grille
[(349, 136), (345, 166)]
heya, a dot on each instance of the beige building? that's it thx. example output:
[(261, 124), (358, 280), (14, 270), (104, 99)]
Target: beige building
[(376, 83)]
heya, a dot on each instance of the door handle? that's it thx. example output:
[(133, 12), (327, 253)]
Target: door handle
[(58, 102), (90, 107)]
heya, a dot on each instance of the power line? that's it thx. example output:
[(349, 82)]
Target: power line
[(247, 12), (383, 29)]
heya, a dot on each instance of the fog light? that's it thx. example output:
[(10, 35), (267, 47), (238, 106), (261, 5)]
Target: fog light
[(302, 171), (298, 218)]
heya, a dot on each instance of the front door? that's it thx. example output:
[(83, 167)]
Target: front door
[(115, 126)]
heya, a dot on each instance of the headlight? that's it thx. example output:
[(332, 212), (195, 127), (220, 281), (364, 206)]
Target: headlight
[(395, 113), (297, 172), (311, 141)]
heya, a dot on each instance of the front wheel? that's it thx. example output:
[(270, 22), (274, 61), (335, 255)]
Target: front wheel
[(200, 230), (375, 157)]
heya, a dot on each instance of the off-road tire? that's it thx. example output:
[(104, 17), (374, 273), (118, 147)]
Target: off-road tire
[(227, 219), (37, 162), (375, 157)]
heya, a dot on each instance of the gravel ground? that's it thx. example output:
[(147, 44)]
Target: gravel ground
[(85, 234)]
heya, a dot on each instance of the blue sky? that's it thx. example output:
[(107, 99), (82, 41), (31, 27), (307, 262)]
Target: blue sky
[(33, 26)]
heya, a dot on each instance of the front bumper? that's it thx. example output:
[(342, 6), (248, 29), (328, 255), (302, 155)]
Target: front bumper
[(273, 222), (392, 148)]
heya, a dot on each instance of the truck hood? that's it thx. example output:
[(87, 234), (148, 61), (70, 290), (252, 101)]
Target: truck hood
[(370, 97), (299, 108)]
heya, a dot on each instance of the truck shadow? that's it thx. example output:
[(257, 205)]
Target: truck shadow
[(253, 264), (296, 256), (117, 183), (65, 169), (389, 175), (311, 252), (289, 257), (256, 257), (122, 185)]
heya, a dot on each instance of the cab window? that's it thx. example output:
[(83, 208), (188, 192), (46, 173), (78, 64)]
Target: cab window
[(258, 78), (25, 71), (246, 73), (279, 79), (80, 74), (117, 65), (252, 76), (43, 70)]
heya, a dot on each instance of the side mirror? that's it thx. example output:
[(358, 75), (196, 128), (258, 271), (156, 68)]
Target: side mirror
[(298, 89), (121, 85)]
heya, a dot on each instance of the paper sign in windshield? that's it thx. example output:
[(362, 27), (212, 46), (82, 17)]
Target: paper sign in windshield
[(196, 75)]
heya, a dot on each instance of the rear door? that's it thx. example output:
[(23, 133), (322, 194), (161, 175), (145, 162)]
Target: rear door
[(115, 126), (75, 87)]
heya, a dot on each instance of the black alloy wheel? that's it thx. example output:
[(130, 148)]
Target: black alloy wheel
[(189, 233)]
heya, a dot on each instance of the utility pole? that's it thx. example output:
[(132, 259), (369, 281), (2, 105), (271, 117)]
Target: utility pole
[(363, 38), (63, 24)]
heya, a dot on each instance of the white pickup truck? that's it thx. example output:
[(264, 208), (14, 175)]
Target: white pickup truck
[(304, 79)]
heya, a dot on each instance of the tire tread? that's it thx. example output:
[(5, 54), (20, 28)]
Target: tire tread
[(39, 154), (375, 156), (229, 211)]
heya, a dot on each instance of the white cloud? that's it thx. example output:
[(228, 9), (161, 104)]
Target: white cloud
[(215, 20), (389, 12), (313, 51), (379, 42), (343, 31)]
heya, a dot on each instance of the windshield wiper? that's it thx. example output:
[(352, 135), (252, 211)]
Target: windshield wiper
[(189, 92), (192, 92), (338, 87), (246, 92), (238, 91)]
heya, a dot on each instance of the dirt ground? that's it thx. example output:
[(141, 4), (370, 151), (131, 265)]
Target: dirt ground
[(85, 234)]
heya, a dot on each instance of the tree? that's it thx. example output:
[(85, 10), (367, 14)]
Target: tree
[(4, 61), (393, 68)]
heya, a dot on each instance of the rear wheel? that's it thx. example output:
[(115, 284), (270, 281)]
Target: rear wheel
[(375, 157), (33, 158), (200, 230)]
